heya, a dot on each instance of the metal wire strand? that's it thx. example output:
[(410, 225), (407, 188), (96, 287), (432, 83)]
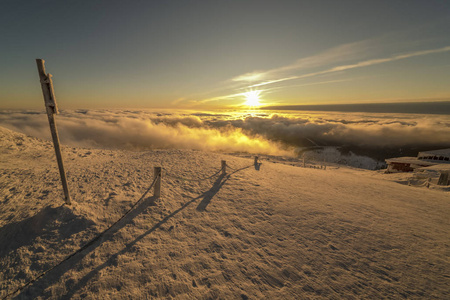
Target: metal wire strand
[(190, 179)]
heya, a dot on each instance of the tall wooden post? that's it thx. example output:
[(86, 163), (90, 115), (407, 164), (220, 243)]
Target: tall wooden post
[(157, 174), (224, 167), (52, 109)]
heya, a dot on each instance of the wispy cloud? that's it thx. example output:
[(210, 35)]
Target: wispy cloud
[(338, 59), (388, 59), (339, 54), (268, 90), (219, 98), (258, 78), (273, 81), (254, 76), (361, 64), (314, 61)]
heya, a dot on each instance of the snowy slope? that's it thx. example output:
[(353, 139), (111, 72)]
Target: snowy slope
[(281, 231)]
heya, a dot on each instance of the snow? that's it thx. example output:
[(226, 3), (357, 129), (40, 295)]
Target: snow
[(282, 231), (439, 152)]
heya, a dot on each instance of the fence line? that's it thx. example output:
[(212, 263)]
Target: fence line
[(156, 183), (240, 169), (166, 173), (230, 166), (256, 163), (223, 169)]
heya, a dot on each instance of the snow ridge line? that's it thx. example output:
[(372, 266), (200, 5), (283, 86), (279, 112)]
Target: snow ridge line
[(85, 246)]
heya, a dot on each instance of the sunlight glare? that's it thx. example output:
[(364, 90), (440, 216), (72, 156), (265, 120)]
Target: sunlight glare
[(252, 98)]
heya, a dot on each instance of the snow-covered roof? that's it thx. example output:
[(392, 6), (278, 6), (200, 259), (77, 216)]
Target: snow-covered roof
[(440, 152), (409, 160)]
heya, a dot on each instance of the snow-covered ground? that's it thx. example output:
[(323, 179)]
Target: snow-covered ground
[(279, 231)]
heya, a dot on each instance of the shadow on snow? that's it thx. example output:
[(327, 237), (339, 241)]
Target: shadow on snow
[(54, 275)]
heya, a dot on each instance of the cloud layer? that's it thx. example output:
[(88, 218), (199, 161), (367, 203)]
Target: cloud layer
[(139, 131), (277, 134), (348, 129)]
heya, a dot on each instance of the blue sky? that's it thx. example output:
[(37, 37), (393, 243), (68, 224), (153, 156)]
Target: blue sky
[(208, 54)]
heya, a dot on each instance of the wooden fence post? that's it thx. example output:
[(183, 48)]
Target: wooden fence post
[(157, 189), (224, 167), (52, 109), (256, 160)]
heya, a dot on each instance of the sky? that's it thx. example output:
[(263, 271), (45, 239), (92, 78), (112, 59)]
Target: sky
[(214, 54)]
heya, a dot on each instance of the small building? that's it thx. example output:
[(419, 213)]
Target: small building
[(423, 159), (437, 156), (405, 164)]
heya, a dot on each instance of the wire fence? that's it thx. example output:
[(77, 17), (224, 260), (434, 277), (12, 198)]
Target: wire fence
[(230, 167), (167, 174), (155, 184)]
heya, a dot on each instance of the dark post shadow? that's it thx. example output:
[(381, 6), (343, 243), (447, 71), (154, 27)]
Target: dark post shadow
[(41, 225), (212, 192), (41, 284), (83, 281)]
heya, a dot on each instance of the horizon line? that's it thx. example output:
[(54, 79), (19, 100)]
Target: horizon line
[(429, 107)]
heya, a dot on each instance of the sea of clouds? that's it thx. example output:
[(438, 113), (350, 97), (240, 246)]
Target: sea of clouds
[(262, 132)]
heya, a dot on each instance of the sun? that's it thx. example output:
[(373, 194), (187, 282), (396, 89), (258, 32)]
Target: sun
[(252, 98)]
